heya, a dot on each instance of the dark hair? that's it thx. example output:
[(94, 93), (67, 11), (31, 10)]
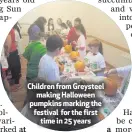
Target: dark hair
[(18, 29), (50, 19), (59, 19), (40, 23), (78, 20), (64, 25), (69, 23), (54, 42), (101, 48), (81, 29)]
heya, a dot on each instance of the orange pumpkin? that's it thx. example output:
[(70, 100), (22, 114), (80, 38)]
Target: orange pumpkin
[(110, 86), (74, 55), (68, 48), (79, 66)]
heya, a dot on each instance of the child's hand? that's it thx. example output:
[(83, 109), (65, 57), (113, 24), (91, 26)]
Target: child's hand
[(111, 71)]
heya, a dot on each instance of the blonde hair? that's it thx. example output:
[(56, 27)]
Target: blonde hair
[(94, 42), (97, 42)]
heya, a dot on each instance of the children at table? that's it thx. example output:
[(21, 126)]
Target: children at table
[(124, 72), (95, 59), (72, 36), (48, 68)]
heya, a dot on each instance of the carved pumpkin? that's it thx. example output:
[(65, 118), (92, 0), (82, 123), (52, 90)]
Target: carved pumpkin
[(79, 66), (68, 48), (74, 55), (110, 86)]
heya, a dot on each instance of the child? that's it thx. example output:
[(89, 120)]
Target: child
[(39, 24), (72, 36), (122, 72), (18, 38), (4, 67), (95, 58), (33, 53), (50, 25), (81, 42), (48, 68), (13, 59), (69, 24), (58, 26), (64, 29)]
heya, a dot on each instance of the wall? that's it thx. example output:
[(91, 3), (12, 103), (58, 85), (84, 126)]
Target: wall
[(95, 21)]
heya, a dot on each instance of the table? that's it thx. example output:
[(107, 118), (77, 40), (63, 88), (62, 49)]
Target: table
[(110, 103), (69, 68)]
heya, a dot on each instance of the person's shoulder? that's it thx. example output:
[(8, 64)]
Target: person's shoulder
[(89, 54), (47, 59), (40, 47), (82, 37), (100, 55), (44, 57), (35, 28), (72, 29)]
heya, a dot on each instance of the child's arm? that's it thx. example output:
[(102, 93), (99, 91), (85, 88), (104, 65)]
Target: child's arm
[(111, 71), (82, 44), (81, 47), (122, 71), (98, 70)]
